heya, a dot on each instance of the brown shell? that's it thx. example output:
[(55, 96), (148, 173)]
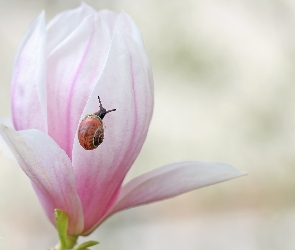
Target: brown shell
[(91, 132)]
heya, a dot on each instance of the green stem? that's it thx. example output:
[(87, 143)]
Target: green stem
[(71, 241)]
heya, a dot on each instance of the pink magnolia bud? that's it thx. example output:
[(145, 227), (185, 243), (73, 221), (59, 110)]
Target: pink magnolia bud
[(59, 71)]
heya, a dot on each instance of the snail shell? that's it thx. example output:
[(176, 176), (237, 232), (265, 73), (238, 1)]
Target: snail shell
[(91, 132)]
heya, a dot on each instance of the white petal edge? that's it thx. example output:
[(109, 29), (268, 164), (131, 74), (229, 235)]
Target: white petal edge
[(50, 171), (122, 22), (66, 22), (28, 91), (27, 35), (4, 149)]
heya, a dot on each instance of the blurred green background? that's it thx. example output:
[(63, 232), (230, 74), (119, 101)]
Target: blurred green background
[(224, 88)]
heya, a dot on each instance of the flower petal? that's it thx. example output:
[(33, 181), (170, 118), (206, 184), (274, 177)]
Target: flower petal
[(124, 85), (50, 171), (171, 180), (4, 149), (69, 21), (73, 70), (122, 22), (28, 94)]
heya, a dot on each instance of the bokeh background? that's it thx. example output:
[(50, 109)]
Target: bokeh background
[(224, 88)]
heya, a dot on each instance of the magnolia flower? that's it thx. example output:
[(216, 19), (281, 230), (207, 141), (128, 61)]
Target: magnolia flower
[(59, 71)]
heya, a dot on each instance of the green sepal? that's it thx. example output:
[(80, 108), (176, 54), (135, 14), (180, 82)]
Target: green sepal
[(62, 222), (86, 244)]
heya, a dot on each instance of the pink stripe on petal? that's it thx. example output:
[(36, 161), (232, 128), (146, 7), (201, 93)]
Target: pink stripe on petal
[(170, 181), (124, 85), (73, 70), (50, 171), (28, 94)]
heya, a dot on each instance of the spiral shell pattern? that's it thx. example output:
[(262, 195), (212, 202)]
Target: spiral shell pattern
[(91, 132)]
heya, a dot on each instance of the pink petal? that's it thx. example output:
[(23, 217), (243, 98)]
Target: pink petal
[(50, 171), (65, 23), (171, 180), (124, 85), (73, 70), (122, 22), (28, 94)]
